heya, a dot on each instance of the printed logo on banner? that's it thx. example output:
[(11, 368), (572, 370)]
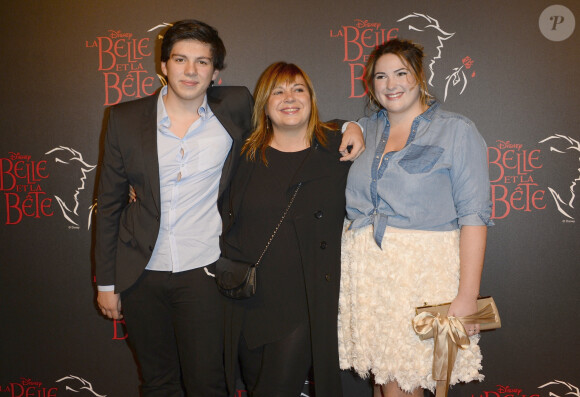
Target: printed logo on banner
[(512, 170), (71, 162), (560, 388), (23, 182), (564, 196), (125, 60), (515, 170), (363, 36), (556, 388), (71, 385), (78, 385)]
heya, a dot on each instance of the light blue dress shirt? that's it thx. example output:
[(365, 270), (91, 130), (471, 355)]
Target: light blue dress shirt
[(190, 169), (439, 181)]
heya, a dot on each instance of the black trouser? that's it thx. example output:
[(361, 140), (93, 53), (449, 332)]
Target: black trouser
[(277, 369), (175, 325)]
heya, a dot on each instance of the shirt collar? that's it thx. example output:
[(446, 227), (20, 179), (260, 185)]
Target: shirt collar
[(163, 119), (427, 114)]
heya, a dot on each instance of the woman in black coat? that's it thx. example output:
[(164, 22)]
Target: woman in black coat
[(289, 325)]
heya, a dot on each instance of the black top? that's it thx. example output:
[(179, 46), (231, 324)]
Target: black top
[(316, 219), (280, 277)]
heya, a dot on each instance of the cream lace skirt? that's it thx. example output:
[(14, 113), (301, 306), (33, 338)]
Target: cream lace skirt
[(379, 291)]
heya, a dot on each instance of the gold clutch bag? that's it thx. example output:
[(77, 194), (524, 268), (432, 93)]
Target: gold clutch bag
[(450, 335), (487, 315)]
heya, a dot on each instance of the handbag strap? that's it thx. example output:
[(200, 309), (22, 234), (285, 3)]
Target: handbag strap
[(279, 223)]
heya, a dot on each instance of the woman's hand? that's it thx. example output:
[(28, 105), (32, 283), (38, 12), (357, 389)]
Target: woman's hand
[(132, 194), (464, 306), (353, 138)]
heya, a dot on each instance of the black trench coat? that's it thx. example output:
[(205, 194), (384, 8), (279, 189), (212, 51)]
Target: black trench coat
[(317, 216)]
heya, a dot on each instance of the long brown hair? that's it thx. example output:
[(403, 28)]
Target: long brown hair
[(273, 76)]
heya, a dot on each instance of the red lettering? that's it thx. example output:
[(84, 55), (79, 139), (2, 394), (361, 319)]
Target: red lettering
[(32, 391), (496, 161), (32, 206), (522, 162), (41, 166), (135, 85), (523, 198), (499, 198), (15, 393), (6, 170), (118, 328), (14, 206), (536, 157), (112, 86), (148, 83), (31, 172), (354, 42), (45, 205), (354, 76), (143, 44), (131, 51), (389, 37), (368, 34), (103, 51)]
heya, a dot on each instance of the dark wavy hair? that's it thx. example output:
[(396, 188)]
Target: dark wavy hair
[(191, 29)]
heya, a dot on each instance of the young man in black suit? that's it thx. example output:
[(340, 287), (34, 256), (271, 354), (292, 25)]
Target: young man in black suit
[(154, 256)]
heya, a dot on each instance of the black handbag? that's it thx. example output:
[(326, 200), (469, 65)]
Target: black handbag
[(237, 279)]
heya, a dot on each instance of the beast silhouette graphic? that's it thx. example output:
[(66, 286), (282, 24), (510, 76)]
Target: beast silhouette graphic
[(424, 23), (573, 390), (426, 31), (162, 25), (564, 194), (79, 385), (71, 163)]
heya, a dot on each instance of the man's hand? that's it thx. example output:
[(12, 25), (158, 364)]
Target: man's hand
[(352, 137), (110, 304)]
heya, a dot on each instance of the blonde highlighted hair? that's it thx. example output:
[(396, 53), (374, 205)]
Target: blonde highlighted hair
[(276, 74)]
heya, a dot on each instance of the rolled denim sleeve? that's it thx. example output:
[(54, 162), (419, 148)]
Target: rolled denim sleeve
[(470, 177)]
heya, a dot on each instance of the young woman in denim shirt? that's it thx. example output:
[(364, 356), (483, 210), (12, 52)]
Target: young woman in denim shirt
[(418, 205)]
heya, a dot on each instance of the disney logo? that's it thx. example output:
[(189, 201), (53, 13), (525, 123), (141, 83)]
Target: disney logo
[(18, 156), (366, 24), (117, 34), (508, 145), (507, 389), (30, 382)]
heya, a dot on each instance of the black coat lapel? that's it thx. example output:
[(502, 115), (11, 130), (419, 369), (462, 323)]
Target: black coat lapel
[(149, 144), (240, 184), (224, 118)]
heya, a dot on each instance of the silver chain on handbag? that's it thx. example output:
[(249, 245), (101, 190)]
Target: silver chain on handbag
[(279, 223)]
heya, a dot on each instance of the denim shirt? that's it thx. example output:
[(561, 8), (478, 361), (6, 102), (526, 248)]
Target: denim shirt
[(439, 181)]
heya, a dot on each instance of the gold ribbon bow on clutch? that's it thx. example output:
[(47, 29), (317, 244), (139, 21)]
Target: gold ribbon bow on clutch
[(449, 334)]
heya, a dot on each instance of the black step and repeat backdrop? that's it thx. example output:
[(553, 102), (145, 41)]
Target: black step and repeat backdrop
[(510, 66)]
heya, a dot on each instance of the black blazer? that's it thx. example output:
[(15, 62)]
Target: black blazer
[(318, 217), (126, 233)]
